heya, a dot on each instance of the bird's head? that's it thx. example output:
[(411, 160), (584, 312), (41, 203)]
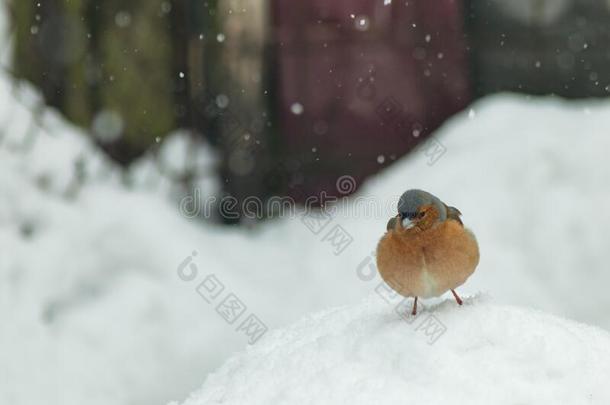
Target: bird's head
[(418, 209)]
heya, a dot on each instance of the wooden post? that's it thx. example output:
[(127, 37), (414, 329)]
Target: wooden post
[(237, 102)]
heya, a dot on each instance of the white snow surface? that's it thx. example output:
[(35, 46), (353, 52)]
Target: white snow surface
[(480, 353), (93, 310)]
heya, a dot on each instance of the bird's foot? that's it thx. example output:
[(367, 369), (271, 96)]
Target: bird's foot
[(414, 311), (457, 297)]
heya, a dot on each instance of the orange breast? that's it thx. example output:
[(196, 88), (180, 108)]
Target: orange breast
[(427, 263)]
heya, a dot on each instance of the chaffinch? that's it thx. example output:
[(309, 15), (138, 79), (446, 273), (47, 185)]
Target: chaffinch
[(426, 250)]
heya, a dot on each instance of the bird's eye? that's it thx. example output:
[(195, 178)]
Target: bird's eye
[(421, 214)]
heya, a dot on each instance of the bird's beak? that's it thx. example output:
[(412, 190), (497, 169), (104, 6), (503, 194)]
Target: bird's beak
[(407, 223)]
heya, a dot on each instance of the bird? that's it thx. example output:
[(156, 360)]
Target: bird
[(426, 250)]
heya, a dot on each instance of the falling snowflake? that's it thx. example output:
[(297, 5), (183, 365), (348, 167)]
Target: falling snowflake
[(122, 19), (362, 23), (107, 126), (297, 108), (222, 100)]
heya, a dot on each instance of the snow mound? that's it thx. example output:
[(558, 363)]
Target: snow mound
[(97, 313), (164, 170), (480, 353)]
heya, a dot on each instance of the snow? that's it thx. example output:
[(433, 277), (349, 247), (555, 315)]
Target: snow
[(161, 171), (97, 313), (90, 312), (93, 309), (480, 353), (94, 312)]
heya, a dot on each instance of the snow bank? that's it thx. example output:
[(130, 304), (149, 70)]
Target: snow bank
[(89, 289), (93, 310), (480, 353), (161, 171)]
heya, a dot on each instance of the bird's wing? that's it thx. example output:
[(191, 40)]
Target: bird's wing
[(454, 213), (391, 224)]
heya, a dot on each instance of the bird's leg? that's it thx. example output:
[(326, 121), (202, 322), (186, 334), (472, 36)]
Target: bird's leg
[(414, 312), (457, 298)]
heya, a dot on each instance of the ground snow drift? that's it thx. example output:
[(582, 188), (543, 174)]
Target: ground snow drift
[(479, 353), (94, 312)]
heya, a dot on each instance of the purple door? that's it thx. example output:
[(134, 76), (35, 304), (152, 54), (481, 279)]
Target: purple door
[(360, 83)]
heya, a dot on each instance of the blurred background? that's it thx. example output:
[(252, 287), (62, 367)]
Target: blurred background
[(291, 94), (123, 124)]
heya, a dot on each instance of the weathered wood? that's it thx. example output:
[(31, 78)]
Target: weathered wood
[(237, 93)]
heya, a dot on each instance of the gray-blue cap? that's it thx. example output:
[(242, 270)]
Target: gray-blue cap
[(411, 200)]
